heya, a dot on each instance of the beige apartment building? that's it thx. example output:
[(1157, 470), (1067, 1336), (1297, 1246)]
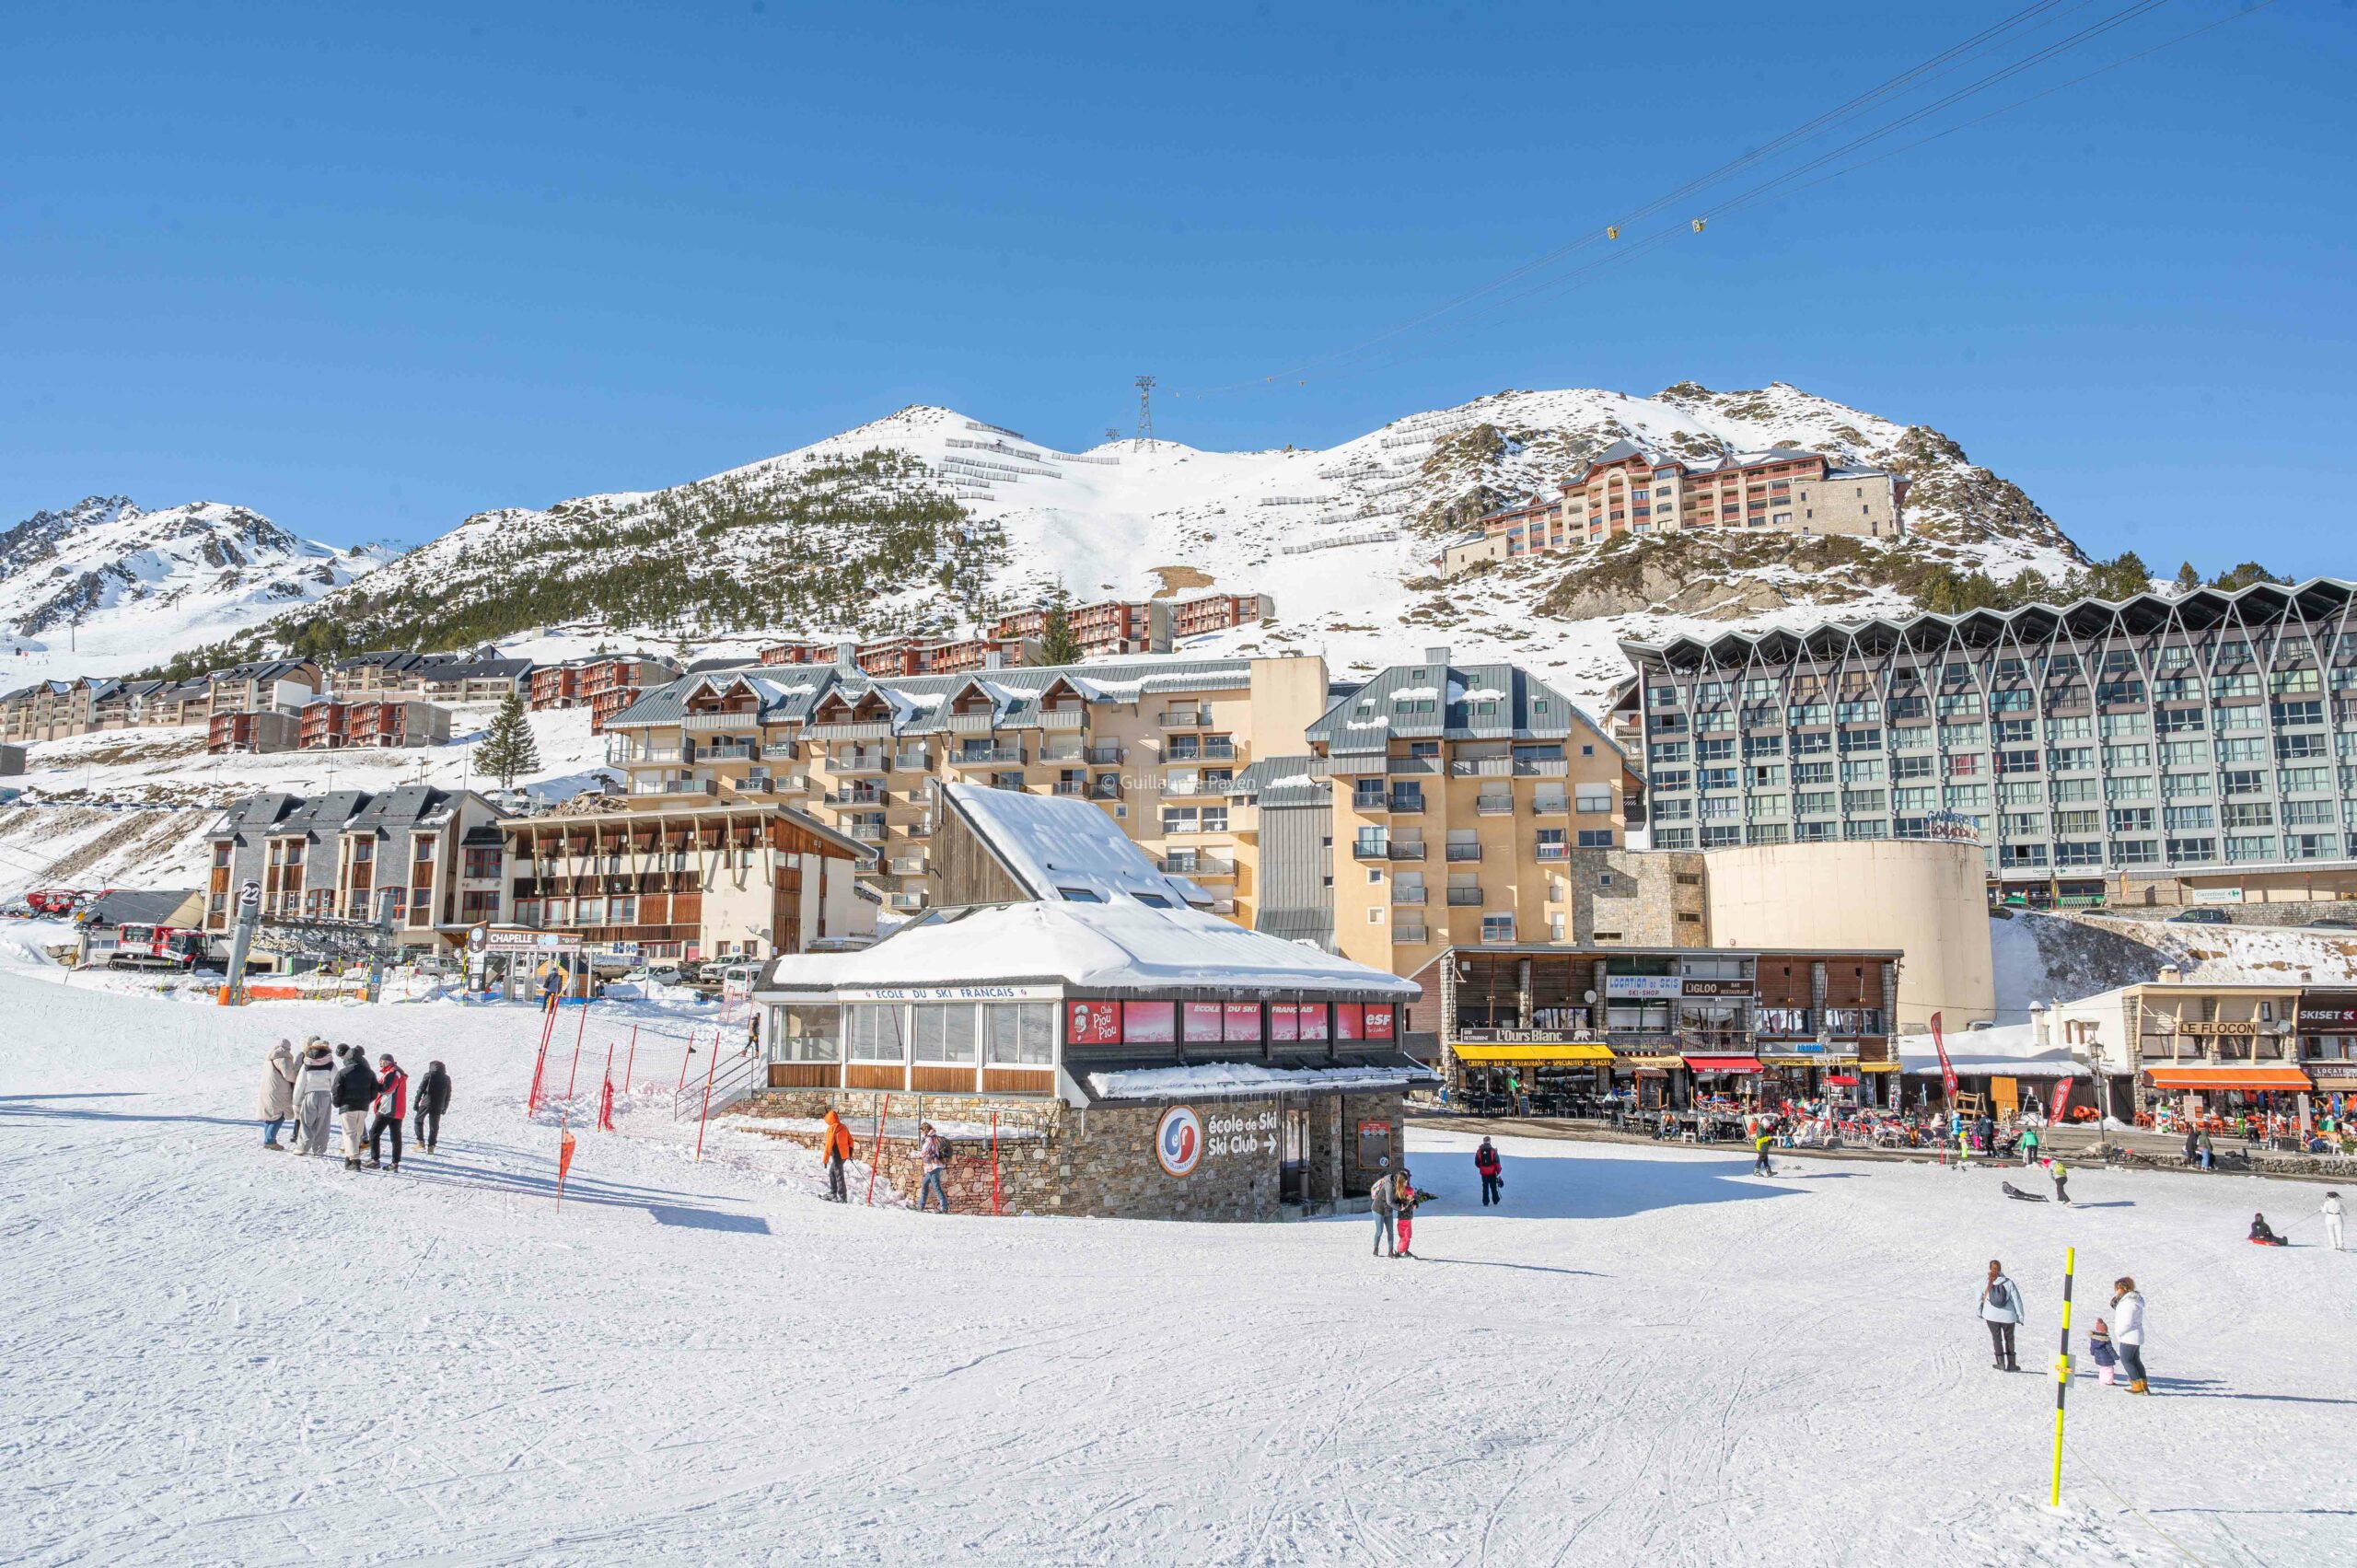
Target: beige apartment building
[(1474, 803), (1156, 744)]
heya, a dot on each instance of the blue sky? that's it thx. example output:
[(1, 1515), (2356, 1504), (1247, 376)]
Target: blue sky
[(370, 268)]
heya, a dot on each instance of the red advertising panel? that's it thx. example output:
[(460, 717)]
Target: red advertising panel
[(1149, 1023), (1093, 1023), (1349, 1020), (1313, 1020), (1202, 1021), (1244, 1020), (1285, 1021), (1378, 1020)]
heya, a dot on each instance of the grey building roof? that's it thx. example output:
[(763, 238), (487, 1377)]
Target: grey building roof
[(1438, 700), (254, 814), (1279, 781), (136, 906), (791, 692), (478, 670), (405, 806)]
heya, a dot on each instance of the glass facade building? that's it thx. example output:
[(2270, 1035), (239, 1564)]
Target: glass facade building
[(2158, 735)]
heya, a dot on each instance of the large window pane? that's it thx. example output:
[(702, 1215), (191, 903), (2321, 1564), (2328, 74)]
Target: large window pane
[(812, 1032), (1021, 1034), (875, 1031), (945, 1031)]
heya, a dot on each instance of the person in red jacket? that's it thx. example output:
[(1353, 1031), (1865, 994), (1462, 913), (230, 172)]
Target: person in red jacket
[(1485, 1160), (392, 1105), (835, 1147)]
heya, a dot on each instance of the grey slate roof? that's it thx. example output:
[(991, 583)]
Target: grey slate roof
[(136, 906), (1279, 781), (1525, 708), (791, 691)]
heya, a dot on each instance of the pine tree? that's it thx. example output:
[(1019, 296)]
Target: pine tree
[(1057, 644), (506, 749), (2188, 579)]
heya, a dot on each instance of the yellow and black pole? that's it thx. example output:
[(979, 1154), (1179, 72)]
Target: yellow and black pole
[(2062, 1373)]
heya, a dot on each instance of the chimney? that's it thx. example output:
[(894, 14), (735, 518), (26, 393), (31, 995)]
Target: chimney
[(2041, 1025), (1436, 655), (2171, 974), (846, 656)]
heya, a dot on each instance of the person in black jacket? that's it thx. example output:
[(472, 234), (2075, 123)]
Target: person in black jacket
[(356, 1089), (432, 1093)]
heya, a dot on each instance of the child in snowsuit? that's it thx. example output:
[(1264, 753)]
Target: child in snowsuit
[(2263, 1235), (2106, 1358), (1404, 1199)]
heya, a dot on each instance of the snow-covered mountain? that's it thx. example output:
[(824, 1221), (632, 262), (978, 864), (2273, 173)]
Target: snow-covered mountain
[(103, 586), (930, 521)]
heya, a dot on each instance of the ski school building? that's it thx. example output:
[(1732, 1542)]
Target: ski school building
[(1090, 1038)]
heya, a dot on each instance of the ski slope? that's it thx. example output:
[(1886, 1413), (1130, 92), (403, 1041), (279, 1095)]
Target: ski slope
[(215, 1354)]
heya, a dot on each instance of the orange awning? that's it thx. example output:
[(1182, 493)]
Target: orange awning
[(2202, 1080)]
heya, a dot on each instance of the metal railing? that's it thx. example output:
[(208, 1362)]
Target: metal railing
[(1462, 897), (733, 1079), (995, 755), (1465, 851)]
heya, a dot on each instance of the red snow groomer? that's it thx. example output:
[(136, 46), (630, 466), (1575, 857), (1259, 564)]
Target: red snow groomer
[(53, 901), (157, 948)]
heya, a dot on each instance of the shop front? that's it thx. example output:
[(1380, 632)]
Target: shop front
[(2327, 1032), (2220, 1096), (1528, 1071)]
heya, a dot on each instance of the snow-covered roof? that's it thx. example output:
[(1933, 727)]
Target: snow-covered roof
[(1058, 847), (1121, 946), (2010, 1051)]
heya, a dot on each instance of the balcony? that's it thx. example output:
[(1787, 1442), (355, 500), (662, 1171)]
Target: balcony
[(1061, 753), (1370, 849), (1550, 806), (1105, 789), (1064, 719), (907, 902), (1371, 805), (675, 786), (1465, 851), (1410, 767), (868, 797), (852, 763), (1104, 756), (907, 866), (781, 752), (1343, 765), (1465, 897), (972, 724), (917, 761), (724, 752), (1198, 866), (1195, 788), (1403, 894), (1407, 805), (1409, 935), (721, 721), (863, 729), (867, 832), (1224, 907), (619, 752), (1184, 718), (773, 784), (1551, 851), (1406, 849), (1494, 806), (996, 757)]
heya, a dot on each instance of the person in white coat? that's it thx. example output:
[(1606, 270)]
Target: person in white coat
[(277, 1092), (2332, 1220), (2128, 1331), (314, 1098), (2001, 1309)]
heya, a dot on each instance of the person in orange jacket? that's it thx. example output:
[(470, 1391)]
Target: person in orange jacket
[(835, 1148)]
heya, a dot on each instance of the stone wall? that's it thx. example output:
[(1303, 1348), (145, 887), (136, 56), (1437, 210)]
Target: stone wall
[(1100, 1161)]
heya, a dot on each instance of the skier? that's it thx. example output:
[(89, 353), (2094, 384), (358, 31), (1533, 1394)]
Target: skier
[(2263, 1235), (278, 1076), (1759, 1144), (2001, 1309), (2106, 1358), (355, 1088), (2030, 1144), (2332, 1220), (929, 1150), (316, 1097), (1407, 1198), (1493, 1173), (392, 1105), (1380, 1199), (2062, 1175), (2127, 1338), (433, 1100), (835, 1146)]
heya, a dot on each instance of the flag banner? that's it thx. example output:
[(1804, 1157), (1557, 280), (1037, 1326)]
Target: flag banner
[(1939, 1045)]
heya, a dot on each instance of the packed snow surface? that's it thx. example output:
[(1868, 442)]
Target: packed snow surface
[(215, 1354)]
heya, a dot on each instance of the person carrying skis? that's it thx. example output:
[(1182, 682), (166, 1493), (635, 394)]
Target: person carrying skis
[(392, 1104), (2001, 1309), (356, 1089), (2263, 1235), (1380, 1199), (834, 1147), (433, 1100), (278, 1076), (2332, 1215), (930, 1152), (1404, 1197), (2128, 1335), (1493, 1173), (314, 1098), (2107, 1359)]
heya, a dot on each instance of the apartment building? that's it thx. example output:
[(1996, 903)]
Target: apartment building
[(604, 683), (469, 681), (433, 856), (1155, 745), (1111, 627), (377, 674), (1475, 803), (1628, 488), (2147, 750), (326, 725), (123, 704), (271, 730), (397, 722), (271, 685)]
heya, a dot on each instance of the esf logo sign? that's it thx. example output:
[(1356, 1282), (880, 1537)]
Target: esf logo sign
[(1178, 1141)]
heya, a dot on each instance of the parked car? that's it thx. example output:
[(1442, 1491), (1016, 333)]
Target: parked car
[(2333, 922), (658, 976), (2199, 916)]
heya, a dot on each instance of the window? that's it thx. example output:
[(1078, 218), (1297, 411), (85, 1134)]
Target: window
[(874, 1030), (1590, 797), (1497, 928), (1592, 838)]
